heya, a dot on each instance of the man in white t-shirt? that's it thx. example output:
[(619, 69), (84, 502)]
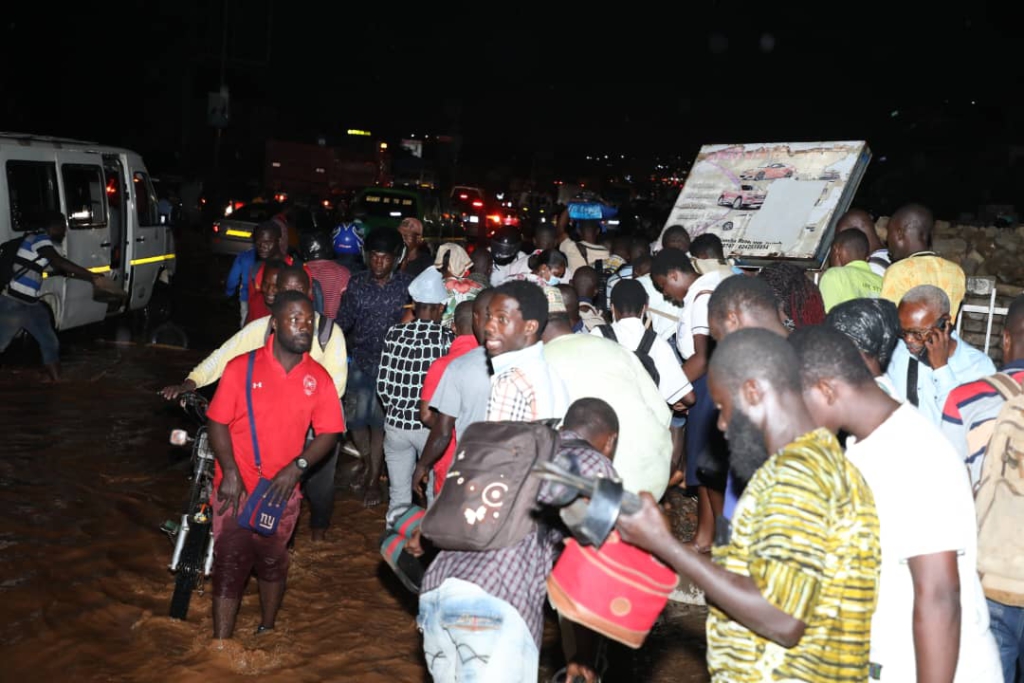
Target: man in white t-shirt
[(931, 622), (629, 302), (663, 314), (674, 275)]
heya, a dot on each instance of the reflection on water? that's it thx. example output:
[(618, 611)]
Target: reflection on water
[(87, 478)]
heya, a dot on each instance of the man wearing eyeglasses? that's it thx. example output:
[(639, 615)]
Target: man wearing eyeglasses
[(930, 360)]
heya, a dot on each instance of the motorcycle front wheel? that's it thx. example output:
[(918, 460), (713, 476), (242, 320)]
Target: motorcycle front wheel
[(190, 569)]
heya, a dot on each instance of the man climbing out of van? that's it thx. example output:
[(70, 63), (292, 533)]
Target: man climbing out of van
[(20, 307)]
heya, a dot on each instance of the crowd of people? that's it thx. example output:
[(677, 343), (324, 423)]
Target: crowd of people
[(833, 434)]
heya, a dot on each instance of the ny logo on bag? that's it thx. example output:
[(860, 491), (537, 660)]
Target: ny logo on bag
[(266, 520)]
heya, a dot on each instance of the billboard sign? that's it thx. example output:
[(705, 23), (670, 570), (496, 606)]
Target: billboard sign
[(771, 201)]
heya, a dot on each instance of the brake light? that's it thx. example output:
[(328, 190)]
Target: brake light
[(216, 227), (463, 196), (495, 218), (477, 204)]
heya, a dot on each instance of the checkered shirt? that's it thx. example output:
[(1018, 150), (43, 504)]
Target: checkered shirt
[(518, 574), (513, 398), (409, 349)]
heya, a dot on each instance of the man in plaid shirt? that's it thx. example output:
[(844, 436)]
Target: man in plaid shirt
[(409, 349), (523, 387), (482, 613)]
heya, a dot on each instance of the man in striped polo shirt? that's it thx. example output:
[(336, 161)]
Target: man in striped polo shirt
[(969, 420), (20, 307)]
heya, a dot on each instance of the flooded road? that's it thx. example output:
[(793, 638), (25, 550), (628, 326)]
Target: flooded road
[(87, 478)]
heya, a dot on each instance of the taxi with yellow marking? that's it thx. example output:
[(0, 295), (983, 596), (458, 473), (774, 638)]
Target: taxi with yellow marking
[(114, 227)]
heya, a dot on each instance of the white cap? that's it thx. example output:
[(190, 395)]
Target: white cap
[(428, 287)]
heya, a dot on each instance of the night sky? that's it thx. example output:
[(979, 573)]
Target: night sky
[(518, 80)]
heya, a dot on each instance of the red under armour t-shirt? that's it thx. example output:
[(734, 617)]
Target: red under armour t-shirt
[(285, 404), (462, 344)]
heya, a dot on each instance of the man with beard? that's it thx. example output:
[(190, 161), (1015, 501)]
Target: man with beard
[(931, 360), (286, 392), (932, 623), (738, 303), (793, 589)]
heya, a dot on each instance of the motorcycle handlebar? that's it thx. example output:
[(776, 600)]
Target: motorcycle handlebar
[(194, 402)]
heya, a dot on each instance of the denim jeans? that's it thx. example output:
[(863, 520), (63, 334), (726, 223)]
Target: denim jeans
[(362, 407), (1007, 624), (470, 636), (402, 449), (34, 319)]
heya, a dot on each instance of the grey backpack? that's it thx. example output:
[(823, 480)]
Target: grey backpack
[(489, 499)]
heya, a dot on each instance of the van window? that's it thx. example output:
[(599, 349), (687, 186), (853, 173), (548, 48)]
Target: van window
[(32, 186), (384, 205), (83, 196), (145, 200)]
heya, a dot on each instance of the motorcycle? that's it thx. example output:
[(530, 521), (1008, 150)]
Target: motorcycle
[(192, 560)]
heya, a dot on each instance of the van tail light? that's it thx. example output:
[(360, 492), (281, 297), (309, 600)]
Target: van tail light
[(477, 204)]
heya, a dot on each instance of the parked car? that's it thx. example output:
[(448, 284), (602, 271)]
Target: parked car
[(748, 196), (768, 172), (233, 234)]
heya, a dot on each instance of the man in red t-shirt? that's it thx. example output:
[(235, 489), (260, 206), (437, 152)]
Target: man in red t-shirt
[(290, 391)]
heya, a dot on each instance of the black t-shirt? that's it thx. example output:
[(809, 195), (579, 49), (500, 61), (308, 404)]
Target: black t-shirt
[(419, 264)]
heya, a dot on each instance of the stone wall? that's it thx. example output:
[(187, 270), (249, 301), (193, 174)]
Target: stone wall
[(992, 258)]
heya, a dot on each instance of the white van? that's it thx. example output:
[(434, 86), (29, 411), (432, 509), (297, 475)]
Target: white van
[(113, 225)]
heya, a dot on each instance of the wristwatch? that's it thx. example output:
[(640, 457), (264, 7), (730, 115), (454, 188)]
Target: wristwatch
[(301, 463)]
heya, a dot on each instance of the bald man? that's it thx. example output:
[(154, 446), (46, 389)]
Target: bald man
[(861, 221), (914, 264)]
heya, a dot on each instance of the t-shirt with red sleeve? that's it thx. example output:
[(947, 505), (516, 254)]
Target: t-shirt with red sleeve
[(284, 404), (462, 344), (257, 306)]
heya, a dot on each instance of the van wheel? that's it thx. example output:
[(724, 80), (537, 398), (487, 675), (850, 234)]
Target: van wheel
[(160, 306)]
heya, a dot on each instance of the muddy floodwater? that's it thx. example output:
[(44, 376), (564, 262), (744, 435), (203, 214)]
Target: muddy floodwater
[(86, 479)]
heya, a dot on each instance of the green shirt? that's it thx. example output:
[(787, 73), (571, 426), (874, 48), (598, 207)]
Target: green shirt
[(855, 280)]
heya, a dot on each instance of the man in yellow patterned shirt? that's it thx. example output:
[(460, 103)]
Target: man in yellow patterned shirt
[(793, 583), (913, 263)]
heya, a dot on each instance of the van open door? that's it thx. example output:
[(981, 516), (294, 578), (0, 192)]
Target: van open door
[(87, 242), (117, 191), (146, 238)]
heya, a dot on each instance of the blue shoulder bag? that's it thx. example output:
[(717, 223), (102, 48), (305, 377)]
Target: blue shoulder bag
[(258, 514)]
